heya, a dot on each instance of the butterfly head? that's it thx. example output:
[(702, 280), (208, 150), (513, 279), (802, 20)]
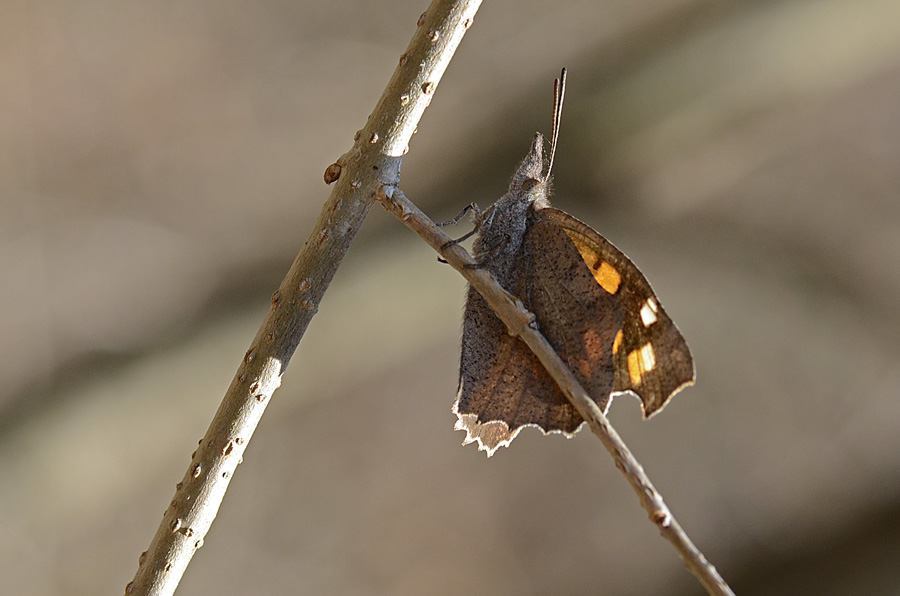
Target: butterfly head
[(530, 181)]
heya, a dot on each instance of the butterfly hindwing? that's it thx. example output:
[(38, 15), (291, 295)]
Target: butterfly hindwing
[(501, 389), (652, 358)]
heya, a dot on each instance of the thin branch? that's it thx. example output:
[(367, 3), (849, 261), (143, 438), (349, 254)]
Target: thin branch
[(520, 322), (373, 162)]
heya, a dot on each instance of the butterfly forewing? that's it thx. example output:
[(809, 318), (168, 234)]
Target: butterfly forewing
[(652, 358), (579, 318)]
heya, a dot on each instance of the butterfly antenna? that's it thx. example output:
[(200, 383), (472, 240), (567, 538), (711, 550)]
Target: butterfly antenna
[(559, 92)]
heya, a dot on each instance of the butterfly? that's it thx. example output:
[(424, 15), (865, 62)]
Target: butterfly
[(592, 303)]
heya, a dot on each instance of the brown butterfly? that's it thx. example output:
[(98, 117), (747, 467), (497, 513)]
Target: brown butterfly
[(591, 302)]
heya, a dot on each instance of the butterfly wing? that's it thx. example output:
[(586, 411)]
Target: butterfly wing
[(652, 359), (499, 381), (503, 386)]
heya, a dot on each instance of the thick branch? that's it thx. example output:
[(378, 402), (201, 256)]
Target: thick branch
[(373, 161), (520, 322)]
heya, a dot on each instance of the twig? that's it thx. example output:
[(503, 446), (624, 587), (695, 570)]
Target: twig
[(520, 323), (373, 162)]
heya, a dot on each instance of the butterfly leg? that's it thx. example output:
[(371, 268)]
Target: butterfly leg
[(478, 217), (471, 207)]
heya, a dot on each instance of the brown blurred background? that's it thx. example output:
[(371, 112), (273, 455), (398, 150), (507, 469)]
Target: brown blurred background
[(161, 164)]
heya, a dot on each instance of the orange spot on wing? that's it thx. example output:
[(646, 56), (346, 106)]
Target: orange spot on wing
[(617, 343), (634, 368), (639, 362), (607, 276)]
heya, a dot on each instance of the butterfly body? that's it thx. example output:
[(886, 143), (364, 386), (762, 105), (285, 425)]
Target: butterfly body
[(590, 301)]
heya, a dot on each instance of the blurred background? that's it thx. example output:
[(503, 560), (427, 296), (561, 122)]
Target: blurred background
[(161, 165)]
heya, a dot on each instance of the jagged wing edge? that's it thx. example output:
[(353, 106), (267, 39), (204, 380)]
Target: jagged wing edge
[(494, 434), (644, 413)]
